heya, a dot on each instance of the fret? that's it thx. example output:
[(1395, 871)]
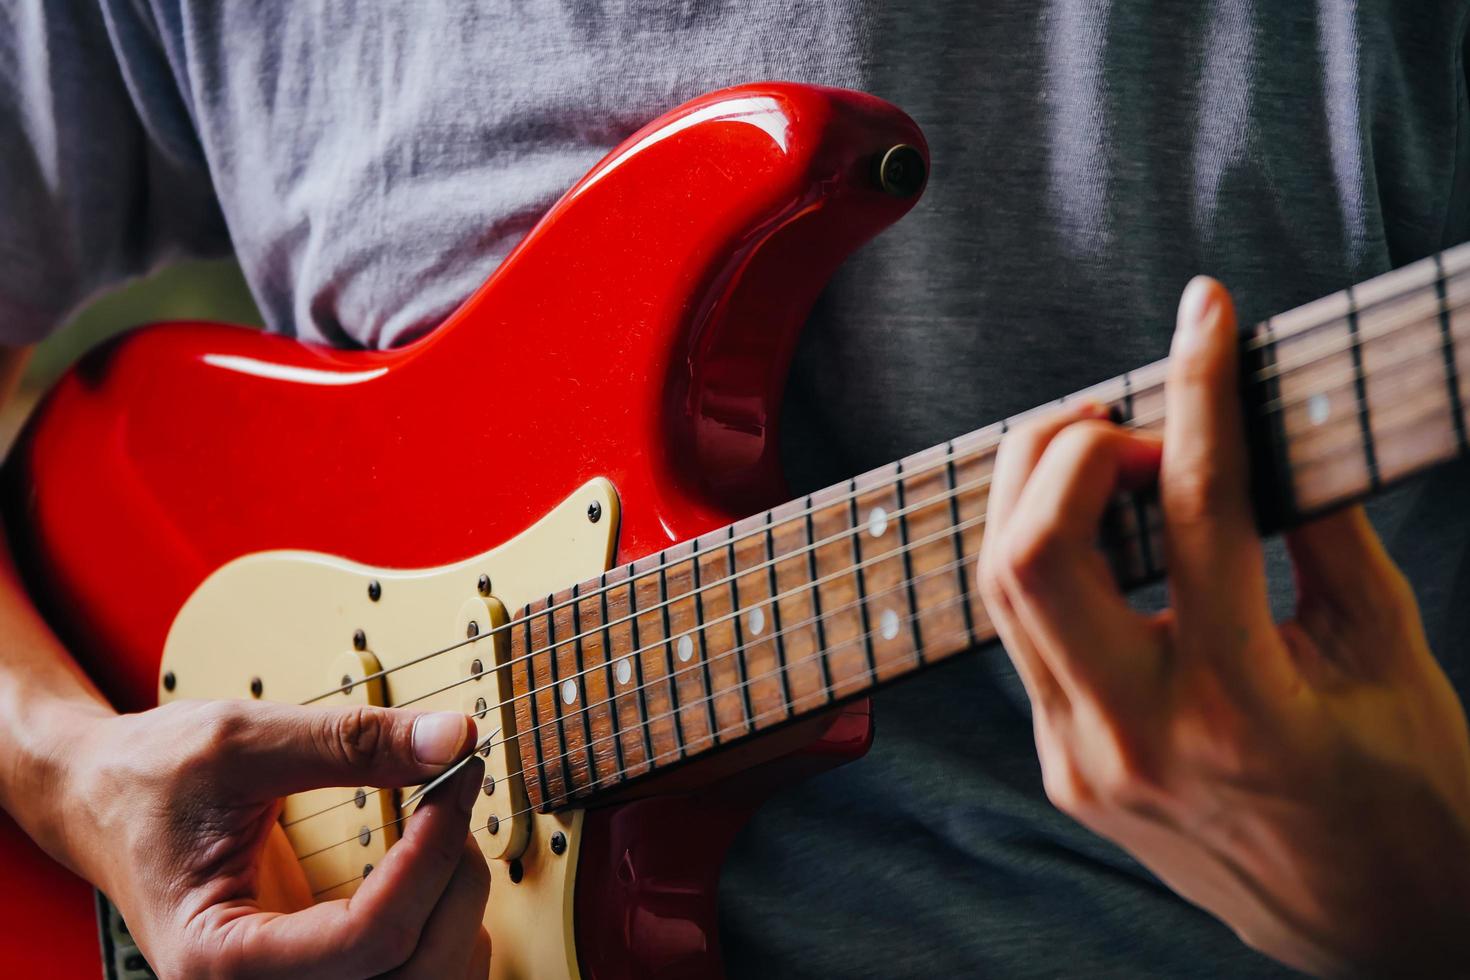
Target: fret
[(595, 699), (974, 460), (1451, 369), (682, 606), (843, 631), (566, 687), (621, 639), (877, 553), (1360, 386), (962, 574), (719, 632), (549, 731), (523, 682), (915, 626), (854, 539), (778, 633), (767, 701), (656, 660), (798, 642), (816, 597), (934, 565), (1457, 297)]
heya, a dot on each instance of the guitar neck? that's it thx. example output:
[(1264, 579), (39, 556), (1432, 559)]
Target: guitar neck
[(822, 599)]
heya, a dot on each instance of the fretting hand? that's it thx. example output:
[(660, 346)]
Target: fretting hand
[(172, 812), (1309, 782)]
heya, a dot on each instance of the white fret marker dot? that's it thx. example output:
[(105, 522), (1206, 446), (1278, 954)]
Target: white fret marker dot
[(888, 624), (569, 691), (877, 522), (686, 648), (757, 621), (1319, 407), (623, 670)]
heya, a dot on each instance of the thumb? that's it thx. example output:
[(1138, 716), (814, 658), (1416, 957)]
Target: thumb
[(276, 749)]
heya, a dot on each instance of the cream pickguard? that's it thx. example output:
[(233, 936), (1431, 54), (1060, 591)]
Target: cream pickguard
[(289, 625)]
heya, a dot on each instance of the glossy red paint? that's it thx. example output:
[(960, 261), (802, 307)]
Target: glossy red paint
[(641, 332)]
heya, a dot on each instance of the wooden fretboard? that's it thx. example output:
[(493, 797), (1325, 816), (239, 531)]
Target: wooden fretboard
[(824, 598)]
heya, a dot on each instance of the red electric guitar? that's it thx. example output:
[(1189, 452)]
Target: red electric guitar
[(549, 513)]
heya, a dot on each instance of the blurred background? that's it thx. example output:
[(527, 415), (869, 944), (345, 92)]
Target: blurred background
[(188, 291)]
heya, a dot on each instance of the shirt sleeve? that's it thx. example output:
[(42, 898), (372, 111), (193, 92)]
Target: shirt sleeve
[(101, 177)]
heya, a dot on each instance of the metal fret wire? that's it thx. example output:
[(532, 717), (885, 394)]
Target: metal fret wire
[(982, 450)]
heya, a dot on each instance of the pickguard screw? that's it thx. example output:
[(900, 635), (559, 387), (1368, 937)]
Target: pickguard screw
[(489, 785), (484, 585), (471, 631), (558, 843), (517, 871), (347, 683), (359, 640), (169, 681), (256, 687), (480, 707), (375, 590), (360, 798), (594, 512), (476, 668), (493, 824), (364, 836)]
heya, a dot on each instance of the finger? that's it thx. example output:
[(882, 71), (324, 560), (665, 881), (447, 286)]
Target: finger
[(281, 749), (1016, 458), (1348, 586), (451, 937), (380, 926), (1216, 565), (1059, 583)]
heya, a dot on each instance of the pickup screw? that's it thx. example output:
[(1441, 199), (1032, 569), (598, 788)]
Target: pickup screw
[(364, 836), (256, 687), (517, 871), (359, 640), (489, 785), (367, 869), (347, 683), (360, 798), (594, 512), (476, 668), (493, 824), (471, 631), (169, 681), (375, 590), (480, 707), (558, 843), (484, 585)]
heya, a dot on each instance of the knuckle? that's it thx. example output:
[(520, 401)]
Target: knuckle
[(388, 944), (221, 729), (1031, 557), (355, 736), (1067, 788)]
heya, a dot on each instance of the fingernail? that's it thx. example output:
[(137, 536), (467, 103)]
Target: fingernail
[(469, 789), (1199, 309), (437, 737)]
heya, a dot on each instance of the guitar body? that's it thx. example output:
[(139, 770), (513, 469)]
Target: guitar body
[(635, 343)]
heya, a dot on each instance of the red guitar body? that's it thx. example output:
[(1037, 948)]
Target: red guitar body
[(641, 333)]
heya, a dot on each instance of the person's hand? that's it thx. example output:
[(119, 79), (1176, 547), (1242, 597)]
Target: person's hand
[(1308, 783), (170, 812)]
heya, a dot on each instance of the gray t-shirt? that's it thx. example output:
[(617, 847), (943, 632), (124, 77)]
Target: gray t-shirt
[(370, 163)]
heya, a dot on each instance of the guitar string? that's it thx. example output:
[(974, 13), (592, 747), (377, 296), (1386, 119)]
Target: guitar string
[(982, 450), (826, 691), (748, 726), (487, 743), (938, 499)]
